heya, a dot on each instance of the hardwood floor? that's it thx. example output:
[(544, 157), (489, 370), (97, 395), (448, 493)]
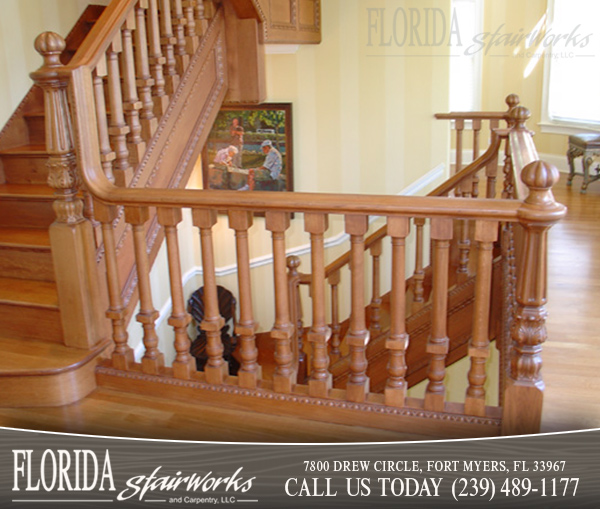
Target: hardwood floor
[(571, 359)]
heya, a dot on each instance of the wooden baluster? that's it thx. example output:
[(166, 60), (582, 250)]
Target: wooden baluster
[(283, 329), (464, 247), (192, 40), (131, 104), (209, 9), (438, 343), (419, 275), (476, 134), (80, 295), (200, 15), (358, 335), (118, 129), (184, 364), (491, 169), (179, 22), (293, 262), (375, 306), (167, 42), (153, 359), (216, 369), (157, 61), (122, 355), (397, 343), (459, 125), (486, 233), (144, 79), (320, 381), (334, 283), (250, 372), (523, 396), (107, 155)]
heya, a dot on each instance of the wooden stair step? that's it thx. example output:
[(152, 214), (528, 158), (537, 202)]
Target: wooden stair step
[(29, 310), (35, 121), (26, 206), (25, 254), (25, 164), (38, 373)]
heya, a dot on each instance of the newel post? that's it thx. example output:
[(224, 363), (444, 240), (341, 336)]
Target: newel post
[(523, 394), (71, 235)]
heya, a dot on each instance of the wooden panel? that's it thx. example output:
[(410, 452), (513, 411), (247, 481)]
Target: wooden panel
[(291, 21)]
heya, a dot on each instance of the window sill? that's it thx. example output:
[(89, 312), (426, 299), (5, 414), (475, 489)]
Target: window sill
[(567, 129)]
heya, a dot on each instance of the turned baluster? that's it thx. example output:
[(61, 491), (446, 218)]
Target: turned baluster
[(397, 343), (320, 381), (523, 395), (191, 36), (153, 359), (216, 369), (184, 364), (250, 372), (118, 129), (486, 233), (293, 262), (334, 283), (464, 246), (144, 80), (491, 169), (167, 42), (476, 134), (107, 155), (200, 15), (459, 125), (283, 330), (179, 22), (131, 103), (157, 61), (122, 355), (419, 275), (438, 343), (358, 335), (375, 306)]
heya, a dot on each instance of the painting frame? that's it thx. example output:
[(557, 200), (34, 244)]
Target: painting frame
[(264, 128)]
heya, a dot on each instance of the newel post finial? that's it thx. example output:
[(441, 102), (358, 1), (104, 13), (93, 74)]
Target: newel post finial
[(523, 396), (512, 100), (518, 117), (50, 45)]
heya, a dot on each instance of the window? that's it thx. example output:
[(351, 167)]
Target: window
[(571, 52), (465, 70)]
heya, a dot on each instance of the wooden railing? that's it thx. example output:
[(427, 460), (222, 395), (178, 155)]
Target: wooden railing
[(99, 143)]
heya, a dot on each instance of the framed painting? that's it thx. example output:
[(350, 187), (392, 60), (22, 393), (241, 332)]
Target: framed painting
[(249, 148)]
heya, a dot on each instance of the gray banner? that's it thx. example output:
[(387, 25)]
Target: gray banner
[(54, 470)]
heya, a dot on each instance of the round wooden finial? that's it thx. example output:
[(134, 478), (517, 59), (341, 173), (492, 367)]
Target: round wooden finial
[(540, 175), (293, 262), (50, 45), (512, 100), (519, 115)]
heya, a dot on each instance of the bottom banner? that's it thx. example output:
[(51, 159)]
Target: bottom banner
[(41, 469)]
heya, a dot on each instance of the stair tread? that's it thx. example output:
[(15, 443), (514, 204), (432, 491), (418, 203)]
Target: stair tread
[(31, 356), (26, 292), (24, 237), (36, 191), (33, 149)]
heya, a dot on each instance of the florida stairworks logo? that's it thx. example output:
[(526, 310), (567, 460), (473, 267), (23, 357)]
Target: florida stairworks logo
[(81, 471)]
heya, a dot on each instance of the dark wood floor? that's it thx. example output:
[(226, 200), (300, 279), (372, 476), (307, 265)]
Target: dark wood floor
[(571, 360)]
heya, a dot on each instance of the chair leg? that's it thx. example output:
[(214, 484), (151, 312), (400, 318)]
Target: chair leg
[(587, 163), (571, 159)]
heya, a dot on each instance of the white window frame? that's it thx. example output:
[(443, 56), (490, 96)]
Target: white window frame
[(558, 126), (477, 78)]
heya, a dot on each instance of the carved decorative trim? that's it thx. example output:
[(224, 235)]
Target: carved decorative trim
[(303, 400), (317, 26)]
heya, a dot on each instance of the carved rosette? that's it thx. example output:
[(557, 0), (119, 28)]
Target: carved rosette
[(63, 177)]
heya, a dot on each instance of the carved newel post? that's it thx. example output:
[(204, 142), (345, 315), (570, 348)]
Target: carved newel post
[(71, 235), (523, 394)]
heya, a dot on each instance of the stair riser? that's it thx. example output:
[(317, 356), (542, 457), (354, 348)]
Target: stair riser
[(23, 213), (21, 169), (30, 322), (24, 263), (36, 129)]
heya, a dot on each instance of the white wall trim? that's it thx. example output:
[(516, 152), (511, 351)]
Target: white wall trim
[(281, 49), (559, 161), (260, 261)]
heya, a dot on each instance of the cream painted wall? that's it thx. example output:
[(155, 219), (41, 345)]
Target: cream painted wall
[(503, 75), (20, 23)]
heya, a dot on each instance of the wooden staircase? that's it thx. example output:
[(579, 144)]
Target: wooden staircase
[(31, 332)]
